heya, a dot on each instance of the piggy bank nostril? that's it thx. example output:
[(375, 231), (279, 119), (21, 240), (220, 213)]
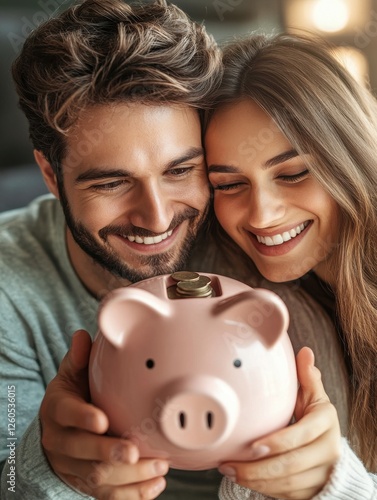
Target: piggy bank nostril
[(182, 419), (149, 363), (210, 417)]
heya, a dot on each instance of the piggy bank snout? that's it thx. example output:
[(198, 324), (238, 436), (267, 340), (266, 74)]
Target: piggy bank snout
[(199, 413)]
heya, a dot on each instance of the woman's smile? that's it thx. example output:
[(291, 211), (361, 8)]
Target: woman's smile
[(267, 200)]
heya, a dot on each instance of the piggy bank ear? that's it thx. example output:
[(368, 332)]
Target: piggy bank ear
[(123, 310), (258, 309)]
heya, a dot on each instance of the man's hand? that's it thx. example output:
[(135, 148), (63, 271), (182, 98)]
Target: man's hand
[(73, 440), (296, 462)]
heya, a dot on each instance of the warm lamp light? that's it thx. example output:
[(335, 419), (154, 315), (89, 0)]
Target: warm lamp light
[(354, 61), (330, 15)]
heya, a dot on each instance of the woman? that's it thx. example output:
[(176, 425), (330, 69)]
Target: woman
[(291, 151)]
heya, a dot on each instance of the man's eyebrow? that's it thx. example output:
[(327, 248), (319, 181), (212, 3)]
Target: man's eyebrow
[(189, 155), (281, 158), (98, 173)]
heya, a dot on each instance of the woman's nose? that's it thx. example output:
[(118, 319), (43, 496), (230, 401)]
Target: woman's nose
[(266, 208)]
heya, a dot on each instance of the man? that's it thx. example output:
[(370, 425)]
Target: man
[(113, 95)]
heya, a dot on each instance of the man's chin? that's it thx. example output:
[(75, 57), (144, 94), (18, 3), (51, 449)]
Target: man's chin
[(157, 268)]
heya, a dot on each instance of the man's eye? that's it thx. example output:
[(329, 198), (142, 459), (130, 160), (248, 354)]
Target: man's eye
[(294, 178), (180, 171), (108, 186)]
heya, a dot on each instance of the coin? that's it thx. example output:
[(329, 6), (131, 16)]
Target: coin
[(199, 288), (185, 276)]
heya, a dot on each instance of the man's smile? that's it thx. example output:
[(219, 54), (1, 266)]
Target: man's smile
[(149, 240)]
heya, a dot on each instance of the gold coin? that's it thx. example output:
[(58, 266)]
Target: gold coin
[(200, 287), (185, 276), (200, 283)]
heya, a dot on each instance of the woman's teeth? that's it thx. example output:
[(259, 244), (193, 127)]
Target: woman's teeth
[(149, 240), (278, 239)]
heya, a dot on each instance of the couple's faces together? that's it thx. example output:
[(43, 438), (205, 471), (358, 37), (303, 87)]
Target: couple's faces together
[(135, 192)]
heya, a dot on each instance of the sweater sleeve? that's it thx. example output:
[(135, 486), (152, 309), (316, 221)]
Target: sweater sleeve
[(349, 481), (24, 373), (33, 476)]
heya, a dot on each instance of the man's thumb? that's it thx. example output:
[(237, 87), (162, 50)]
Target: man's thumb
[(77, 357)]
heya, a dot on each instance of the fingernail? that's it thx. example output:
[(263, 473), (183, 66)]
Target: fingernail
[(90, 421), (74, 336), (157, 487), (116, 454), (124, 452), (229, 472), (259, 451), (161, 467)]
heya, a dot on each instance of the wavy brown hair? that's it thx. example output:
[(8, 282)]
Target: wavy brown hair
[(106, 51), (323, 112)]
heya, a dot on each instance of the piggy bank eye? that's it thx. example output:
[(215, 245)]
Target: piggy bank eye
[(149, 363), (237, 363)]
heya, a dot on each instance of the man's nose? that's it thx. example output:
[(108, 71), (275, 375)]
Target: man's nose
[(266, 208), (151, 208)]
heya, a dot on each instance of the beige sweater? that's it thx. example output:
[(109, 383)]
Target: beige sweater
[(309, 326)]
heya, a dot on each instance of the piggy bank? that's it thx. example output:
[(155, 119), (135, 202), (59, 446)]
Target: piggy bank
[(193, 368)]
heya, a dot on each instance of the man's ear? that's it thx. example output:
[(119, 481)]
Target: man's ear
[(47, 173)]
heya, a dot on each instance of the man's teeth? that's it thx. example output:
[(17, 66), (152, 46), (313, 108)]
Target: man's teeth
[(150, 240), (278, 239)]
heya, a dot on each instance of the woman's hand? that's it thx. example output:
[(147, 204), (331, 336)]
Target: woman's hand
[(295, 463)]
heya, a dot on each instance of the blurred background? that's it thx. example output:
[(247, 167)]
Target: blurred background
[(351, 25)]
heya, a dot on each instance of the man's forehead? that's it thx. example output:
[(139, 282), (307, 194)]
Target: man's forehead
[(107, 114), (122, 135)]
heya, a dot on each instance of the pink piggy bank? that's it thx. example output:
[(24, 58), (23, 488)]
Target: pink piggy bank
[(193, 367)]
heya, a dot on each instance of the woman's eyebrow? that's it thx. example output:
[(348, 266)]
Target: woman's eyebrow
[(231, 169), (280, 158), (224, 169)]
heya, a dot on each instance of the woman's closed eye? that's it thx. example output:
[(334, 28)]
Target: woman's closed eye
[(226, 187), (294, 177)]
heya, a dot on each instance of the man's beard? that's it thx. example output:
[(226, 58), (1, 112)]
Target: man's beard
[(162, 263)]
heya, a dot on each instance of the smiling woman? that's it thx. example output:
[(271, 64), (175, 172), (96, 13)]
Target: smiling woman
[(291, 145), (269, 203)]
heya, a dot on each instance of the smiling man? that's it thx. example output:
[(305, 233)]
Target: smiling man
[(114, 96), (134, 204)]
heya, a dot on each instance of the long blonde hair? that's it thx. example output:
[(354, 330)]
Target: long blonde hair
[(323, 112)]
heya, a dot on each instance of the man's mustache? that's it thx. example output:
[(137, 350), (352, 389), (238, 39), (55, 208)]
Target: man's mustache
[(131, 230)]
